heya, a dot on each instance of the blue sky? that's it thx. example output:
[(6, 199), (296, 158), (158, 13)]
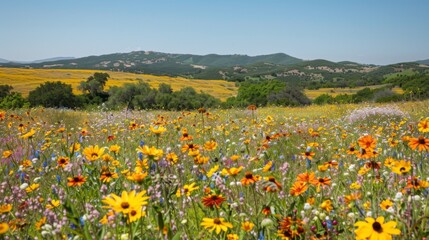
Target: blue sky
[(365, 31)]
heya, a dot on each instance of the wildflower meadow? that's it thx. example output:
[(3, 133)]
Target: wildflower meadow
[(316, 172)]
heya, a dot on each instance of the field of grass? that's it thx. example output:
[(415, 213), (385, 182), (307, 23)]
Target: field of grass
[(25, 80), (316, 172), (312, 94)]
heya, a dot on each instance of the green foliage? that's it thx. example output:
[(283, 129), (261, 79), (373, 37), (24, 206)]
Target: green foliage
[(365, 95), (269, 92), (142, 96), (415, 86), (53, 94), (13, 101)]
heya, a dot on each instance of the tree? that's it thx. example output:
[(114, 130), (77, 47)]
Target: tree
[(5, 90), (53, 94), (94, 85)]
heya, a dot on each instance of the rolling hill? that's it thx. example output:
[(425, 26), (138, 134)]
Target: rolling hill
[(424, 62), (308, 74)]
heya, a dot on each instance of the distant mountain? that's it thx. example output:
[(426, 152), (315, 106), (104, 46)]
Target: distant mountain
[(36, 61), (308, 74), (52, 59), (163, 63), (423, 61)]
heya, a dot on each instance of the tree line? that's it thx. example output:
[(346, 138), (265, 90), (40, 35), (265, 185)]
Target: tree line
[(140, 95)]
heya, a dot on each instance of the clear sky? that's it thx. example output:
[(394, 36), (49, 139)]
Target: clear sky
[(364, 31)]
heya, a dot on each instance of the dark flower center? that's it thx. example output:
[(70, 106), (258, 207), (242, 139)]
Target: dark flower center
[(422, 140), (62, 161), (321, 180), (76, 179), (377, 227), (249, 175), (216, 221), (125, 205), (133, 212), (94, 155), (214, 198), (402, 169)]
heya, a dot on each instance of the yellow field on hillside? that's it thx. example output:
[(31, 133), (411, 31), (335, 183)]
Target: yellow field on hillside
[(312, 94), (25, 80)]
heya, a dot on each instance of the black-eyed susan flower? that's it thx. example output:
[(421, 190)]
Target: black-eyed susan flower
[(138, 176), (386, 204), (199, 160), (185, 135), (290, 228), (355, 186), (32, 187), (127, 202), (76, 181), (298, 188), (7, 154), (210, 145), (5, 208), (321, 182), (247, 226), (352, 197), (249, 178), (352, 150), (151, 152), (93, 153), (416, 183), (231, 171), (232, 236), (367, 142), (107, 175), (327, 205), (75, 147), (40, 223), (217, 224), (53, 204), (423, 125), (157, 130), (4, 227), (172, 158), (115, 148), (376, 229), (421, 143), (401, 167), (63, 161), (186, 190), (213, 200), (28, 135), (267, 166)]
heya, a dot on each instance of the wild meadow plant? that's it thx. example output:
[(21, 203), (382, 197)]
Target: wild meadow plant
[(270, 173)]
